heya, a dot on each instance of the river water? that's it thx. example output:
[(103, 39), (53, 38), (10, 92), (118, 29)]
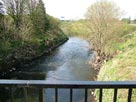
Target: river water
[(69, 62)]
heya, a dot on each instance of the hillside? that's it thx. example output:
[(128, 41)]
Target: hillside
[(121, 68)]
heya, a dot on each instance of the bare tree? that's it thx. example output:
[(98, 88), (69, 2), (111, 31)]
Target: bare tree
[(16, 9), (21, 23), (103, 20), (1, 7)]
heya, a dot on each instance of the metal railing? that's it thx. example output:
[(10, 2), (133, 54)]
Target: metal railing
[(86, 85)]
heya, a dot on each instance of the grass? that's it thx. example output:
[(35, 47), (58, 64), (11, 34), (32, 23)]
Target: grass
[(121, 68), (75, 28)]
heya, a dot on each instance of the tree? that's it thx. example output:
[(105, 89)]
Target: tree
[(103, 20), (1, 7), (1, 15), (18, 19), (16, 9), (37, 15), (41, 16)]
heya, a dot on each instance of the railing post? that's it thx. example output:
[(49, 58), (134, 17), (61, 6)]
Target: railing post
[(56, 94), (11, 95), (100, 95), (129, 94), (115, 95), (41, 95), (25, 94), (86, 94), (71, 94)]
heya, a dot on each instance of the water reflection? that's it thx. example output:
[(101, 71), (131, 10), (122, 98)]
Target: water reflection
[(64, 96)]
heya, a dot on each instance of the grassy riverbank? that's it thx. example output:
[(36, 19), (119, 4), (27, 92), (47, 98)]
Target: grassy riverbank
[(31, 50), (26, 33), (24, 53), (121, 68)]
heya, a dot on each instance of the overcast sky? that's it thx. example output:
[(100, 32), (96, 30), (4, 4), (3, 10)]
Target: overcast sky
[(75, 9)]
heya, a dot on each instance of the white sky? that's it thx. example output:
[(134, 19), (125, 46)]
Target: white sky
[(76, 9)]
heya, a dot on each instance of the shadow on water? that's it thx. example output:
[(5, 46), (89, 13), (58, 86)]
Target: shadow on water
[(68, 62)]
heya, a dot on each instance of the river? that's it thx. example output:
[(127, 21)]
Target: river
[(68, 62)]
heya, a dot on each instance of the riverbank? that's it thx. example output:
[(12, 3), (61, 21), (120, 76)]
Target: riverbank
[(119, 63), (25, 37), (31, 51), (120, 68)]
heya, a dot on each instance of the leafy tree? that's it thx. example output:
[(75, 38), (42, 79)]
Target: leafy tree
[(1, 15), (37, 15), (103, 21), (42, 16)]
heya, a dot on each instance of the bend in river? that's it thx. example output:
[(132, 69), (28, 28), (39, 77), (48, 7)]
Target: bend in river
[(68, 62)]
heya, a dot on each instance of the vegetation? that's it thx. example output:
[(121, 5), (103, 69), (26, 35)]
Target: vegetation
[(103, 22), (112, 38), (75, 28), (102, 28), (26, 32), (121, 68), (126, 20)]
